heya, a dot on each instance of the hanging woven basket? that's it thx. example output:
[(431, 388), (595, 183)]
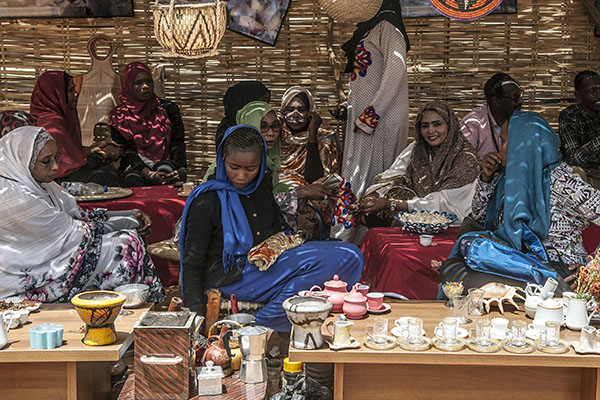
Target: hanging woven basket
[(189, 30), (351, 11)]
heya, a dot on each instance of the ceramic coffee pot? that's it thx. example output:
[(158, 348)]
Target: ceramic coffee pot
[(579, 313), (549, 310), (337, 290), (217, 353), (355, 304)]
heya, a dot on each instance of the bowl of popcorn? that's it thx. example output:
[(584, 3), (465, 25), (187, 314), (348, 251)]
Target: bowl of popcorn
[(425, 222)]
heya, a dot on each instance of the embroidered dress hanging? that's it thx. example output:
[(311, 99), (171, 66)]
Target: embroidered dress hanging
[(189, 29)]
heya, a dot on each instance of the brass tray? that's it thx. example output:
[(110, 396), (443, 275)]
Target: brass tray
[(110, 194)]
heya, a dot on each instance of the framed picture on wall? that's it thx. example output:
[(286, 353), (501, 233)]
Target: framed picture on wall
[(65, 8), (422, 8), (258, 19)]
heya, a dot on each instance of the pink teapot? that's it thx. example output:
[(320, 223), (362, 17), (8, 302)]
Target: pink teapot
[(337, 290), (355, 304)]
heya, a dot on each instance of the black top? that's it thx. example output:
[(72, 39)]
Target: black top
[(130, 154), (202, 257)]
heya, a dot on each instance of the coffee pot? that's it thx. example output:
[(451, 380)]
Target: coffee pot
[(579, 313), (253, 344), (549, 310)]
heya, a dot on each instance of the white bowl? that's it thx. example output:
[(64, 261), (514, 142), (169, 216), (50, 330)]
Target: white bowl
[(137, 294)]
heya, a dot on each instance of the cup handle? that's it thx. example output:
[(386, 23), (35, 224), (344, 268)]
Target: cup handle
[(531, 326), (404, 333), (329, 324), (435, 331), (313, 288), (368, 331)]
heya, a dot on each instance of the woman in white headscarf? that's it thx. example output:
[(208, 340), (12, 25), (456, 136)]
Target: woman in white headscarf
[(50, 249)]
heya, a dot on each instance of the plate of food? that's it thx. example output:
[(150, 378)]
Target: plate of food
[(21, 305), (425, 222)]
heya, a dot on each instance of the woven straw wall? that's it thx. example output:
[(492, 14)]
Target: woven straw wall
[(542, 46)]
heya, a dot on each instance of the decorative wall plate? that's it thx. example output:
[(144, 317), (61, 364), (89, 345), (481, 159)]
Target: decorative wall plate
[(465, 9)]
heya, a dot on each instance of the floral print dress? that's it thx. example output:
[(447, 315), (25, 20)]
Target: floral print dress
[(102, 262)]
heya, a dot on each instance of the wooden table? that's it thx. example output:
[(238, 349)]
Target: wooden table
[(72, 371), (370, 374)]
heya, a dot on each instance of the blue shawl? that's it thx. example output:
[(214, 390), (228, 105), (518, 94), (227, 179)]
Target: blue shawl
[(237, 236), (523, 189)]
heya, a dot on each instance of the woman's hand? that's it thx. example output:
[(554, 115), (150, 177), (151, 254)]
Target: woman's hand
[(314, 191), (491, 163), (145, 227), (314, 123), (573, 276), (156, 177), (372, 204)]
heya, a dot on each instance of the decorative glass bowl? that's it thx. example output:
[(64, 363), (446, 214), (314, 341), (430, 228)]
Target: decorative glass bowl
[(425, 222)]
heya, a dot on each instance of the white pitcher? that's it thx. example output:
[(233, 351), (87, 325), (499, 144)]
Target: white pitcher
[(578, 315), (3, 338)]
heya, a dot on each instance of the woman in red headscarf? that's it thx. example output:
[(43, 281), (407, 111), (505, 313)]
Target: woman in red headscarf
[(54, 105), (150, 130)]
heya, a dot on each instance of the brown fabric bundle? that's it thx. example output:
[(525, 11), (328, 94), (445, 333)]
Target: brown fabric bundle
[(266, 253)]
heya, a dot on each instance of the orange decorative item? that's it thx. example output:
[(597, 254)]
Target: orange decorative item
[(217, 353), (465, 10)]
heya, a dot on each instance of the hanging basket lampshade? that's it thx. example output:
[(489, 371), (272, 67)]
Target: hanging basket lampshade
[(189, 29), (351, 11)]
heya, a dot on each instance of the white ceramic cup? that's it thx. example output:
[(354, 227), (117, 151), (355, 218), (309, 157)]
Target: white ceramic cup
[(499, 324), (425, 240), (402, 322), (537, 326), (341, 332)]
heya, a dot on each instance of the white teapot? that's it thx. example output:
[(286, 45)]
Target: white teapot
[(549, 310)]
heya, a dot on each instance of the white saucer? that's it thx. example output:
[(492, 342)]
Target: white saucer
[(497, 335), (354, 344), (384, 308), (461, 333), (397, 331), (580, 350), (532, 334)]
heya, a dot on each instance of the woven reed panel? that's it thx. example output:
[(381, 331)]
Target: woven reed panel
[(542, 46)]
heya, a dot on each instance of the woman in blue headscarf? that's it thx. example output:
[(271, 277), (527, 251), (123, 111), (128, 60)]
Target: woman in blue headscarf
[(228, 215), (532, 208)]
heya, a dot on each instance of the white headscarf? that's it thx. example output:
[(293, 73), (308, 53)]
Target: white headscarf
[(39, 229), (294, 91)]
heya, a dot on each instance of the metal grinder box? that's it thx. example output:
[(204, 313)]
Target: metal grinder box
[(162, 355)]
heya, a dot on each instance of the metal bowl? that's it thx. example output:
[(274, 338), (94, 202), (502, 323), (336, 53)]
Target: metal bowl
[(137, 294)]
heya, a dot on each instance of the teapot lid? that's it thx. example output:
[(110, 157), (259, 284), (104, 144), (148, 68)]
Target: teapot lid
[(336, 282), (550, 304), (252, 331), (355, 296)]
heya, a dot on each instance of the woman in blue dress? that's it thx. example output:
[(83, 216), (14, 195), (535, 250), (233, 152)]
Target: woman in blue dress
[(234, 211)]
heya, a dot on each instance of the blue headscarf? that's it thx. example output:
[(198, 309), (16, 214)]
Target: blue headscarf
[(523, 189), (237, 236)]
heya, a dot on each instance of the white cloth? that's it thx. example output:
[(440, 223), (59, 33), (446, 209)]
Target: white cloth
[(41, 234), (456, 201), (37, 230), (377, 128)]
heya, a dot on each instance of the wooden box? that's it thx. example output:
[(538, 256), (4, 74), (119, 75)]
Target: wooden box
[(162, 355)]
